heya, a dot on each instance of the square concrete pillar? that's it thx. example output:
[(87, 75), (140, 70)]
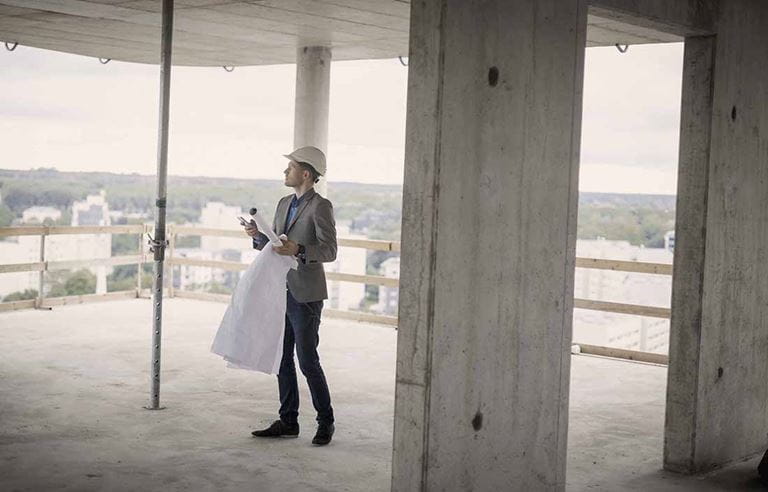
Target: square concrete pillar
[(489, 227), (717, 395)]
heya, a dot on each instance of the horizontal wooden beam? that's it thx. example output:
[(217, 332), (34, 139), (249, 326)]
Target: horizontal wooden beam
[(117, 229), (147, 293), (201, 296), (625, 266), (88, 298), (360, 316), (234, 266), (363, 279), (369, 244), (22, 267), (16, 305), (237, 266), (619, 308), (22, 231), (372, 244), (618, 353), (111, 261), (58, 230), (332, 313), (206, 231)]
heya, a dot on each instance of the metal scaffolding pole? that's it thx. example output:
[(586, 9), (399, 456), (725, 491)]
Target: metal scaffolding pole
[(158, 243)]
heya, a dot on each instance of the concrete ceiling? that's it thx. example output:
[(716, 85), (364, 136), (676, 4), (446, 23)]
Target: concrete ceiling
[(239, 33)]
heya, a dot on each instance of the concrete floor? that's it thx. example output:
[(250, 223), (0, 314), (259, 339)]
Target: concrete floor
[(73, 382)]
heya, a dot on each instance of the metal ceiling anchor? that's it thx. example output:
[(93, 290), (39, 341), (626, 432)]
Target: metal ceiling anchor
[(11, 46), (104, 61), (228, 68), (402, 62), (622, 47)]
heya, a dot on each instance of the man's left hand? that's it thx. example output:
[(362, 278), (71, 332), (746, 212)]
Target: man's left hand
[(289, 248)]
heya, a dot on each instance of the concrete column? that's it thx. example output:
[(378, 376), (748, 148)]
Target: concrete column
[(489, 213), (313, 82), (718, 412), (690, 241)]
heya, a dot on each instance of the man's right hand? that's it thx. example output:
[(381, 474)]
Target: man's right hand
[(252, 230)]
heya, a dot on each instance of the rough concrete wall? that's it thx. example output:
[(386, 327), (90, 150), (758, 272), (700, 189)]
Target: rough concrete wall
[(690, 237), (489, 222), (732, 408)]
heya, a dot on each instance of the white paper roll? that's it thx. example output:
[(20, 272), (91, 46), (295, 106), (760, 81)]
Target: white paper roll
[(265, 229)]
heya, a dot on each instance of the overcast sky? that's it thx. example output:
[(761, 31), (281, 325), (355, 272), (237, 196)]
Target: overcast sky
[(72, 113)]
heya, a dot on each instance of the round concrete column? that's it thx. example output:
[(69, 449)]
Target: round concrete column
[(313, 81)]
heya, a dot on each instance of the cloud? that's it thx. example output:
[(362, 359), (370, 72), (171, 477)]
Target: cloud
[(71, 112)]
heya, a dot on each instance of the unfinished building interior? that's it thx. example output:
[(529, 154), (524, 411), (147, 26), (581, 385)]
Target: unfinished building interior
[(483, 358)]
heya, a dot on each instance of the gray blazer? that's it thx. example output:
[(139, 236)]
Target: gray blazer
[(315, 229)]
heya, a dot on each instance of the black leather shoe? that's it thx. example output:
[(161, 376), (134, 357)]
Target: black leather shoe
[(278, 429), (324, 434)]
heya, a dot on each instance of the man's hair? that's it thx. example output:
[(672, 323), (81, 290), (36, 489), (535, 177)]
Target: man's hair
[(312, 172)]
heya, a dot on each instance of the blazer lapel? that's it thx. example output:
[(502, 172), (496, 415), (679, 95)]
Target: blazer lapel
[(309, 196), (281, 215)]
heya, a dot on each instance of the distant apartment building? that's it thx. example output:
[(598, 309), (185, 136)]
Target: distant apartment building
[(188, 277), (34, 215), (217, 215), (93, 211), (388, 296), (347, 295), (669, 241)]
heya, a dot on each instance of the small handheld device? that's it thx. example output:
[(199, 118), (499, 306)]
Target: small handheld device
[(244, 222)]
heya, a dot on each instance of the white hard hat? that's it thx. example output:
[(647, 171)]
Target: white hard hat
[(309, 155)]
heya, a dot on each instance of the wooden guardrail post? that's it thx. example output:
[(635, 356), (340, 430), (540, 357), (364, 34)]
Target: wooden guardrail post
[(171, 247), (41, 275), (140, 264)]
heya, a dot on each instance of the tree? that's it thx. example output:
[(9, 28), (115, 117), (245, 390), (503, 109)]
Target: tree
[(124, 244), (6, 215), (74, 284), (18, 199), (21, 295)]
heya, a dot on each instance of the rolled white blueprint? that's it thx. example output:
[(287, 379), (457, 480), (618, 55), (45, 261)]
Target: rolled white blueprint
[(265, 229)]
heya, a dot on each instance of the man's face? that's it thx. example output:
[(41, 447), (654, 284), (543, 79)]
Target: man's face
[(294, 174)]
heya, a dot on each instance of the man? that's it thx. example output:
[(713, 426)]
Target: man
[(307, 219)]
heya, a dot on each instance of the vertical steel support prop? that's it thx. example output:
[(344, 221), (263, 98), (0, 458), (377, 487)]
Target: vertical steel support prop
[(159, 243)]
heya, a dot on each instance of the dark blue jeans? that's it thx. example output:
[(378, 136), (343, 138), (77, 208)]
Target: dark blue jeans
[(302, 324)]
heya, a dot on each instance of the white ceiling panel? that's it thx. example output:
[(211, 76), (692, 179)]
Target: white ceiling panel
[(230, 32)]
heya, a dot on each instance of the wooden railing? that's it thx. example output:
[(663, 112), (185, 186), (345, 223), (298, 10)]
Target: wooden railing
[(42, 266), (368, 244)]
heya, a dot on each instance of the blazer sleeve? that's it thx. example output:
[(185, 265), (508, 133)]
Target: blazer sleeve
[(324, 250), (261, 239)]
